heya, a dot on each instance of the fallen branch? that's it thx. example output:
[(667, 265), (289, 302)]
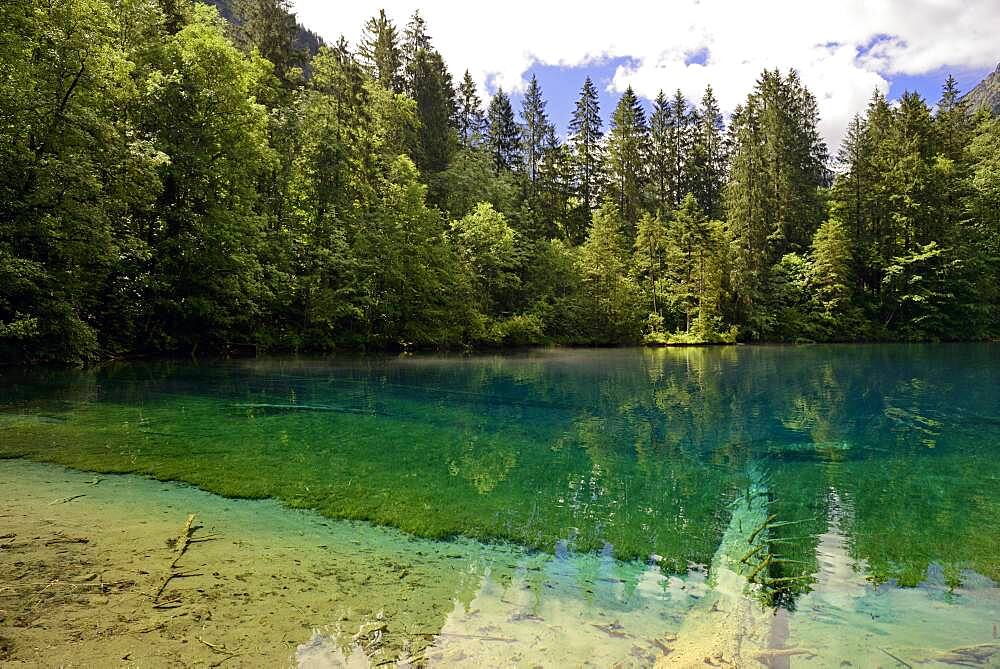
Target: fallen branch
[(181, 544)]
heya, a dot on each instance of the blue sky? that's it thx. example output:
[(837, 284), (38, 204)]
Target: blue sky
[(561, 87), (843, 49)]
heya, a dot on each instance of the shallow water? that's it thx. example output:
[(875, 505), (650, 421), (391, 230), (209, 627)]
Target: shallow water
[(644, 490)]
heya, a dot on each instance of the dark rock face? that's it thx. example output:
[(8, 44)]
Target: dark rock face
[(986, 94)]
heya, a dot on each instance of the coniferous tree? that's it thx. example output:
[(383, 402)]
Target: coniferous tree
[(678, 148), (585, 141), (777, 166), (851, 193), (829, 275), (627, 153), (415, 38), (689, 257), (604, 261), (471, 122), (431, 87), (555, 185), (381, 54), (534, 129), (706, 165), (651, 255), (951, 121), (660, 123), (270, 27), (503, 139)]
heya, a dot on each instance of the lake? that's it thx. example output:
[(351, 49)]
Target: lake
[(803, 506)]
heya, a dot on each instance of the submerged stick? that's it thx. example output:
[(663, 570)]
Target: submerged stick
[(902, 662), (65, 499), (184, 539), (752, 552), (763, 527), (217, 649), (181, 545), (763, 563)]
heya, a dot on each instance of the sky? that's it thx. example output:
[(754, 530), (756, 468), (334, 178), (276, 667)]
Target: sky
[(843, 49)]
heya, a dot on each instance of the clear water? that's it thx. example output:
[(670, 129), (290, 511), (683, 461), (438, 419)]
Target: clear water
[(819, 471)]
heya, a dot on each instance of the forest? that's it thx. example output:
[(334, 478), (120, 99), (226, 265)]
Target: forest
[(176, 182)]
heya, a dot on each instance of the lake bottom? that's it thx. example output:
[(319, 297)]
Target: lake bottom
[(84, 556)]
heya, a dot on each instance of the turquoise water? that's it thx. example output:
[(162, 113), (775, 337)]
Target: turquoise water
[(643, 456)]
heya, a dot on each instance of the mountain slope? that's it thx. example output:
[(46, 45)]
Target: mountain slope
[(305, 39), (986, 94)]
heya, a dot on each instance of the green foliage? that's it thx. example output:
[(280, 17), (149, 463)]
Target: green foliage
[(585, 139), (381, 53), (173, 183), (604, 259), (830, 281), (503, 138), (627, 154)]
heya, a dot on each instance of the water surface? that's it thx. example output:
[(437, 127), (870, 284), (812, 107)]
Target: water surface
[(823, 477)]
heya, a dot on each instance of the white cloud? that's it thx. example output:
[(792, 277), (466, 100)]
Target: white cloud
[(843, 49)]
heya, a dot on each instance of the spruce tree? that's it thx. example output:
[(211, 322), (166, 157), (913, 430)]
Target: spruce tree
[(689, 257), (651, 255), (534, 129), (659, 153), (585, 141), (777, 166), (503, 138), (678, 148), (829, 274), (952, 121), (269, 27), (432, 90), (628, 150), (381, 54), (706, 166), (471, 122), (415, 37)]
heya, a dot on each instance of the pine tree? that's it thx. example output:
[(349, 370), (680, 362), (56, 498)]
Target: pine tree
[(585, 140), (628, 148), (471, 122), (534, 129), (381, 54), (503, 138)]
